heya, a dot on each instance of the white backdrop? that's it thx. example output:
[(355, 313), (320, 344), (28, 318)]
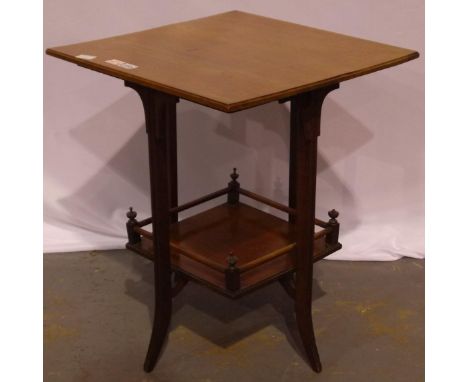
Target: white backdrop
[(371, 151)]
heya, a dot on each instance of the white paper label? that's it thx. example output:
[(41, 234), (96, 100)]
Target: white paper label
[(121, 64), (85, 57)]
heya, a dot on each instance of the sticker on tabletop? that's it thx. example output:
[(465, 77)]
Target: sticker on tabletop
[(121, 64), (85, 57)]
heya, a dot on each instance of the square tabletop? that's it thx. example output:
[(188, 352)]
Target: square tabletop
[(234, 60)]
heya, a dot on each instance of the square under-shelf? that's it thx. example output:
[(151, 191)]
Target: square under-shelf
[(263, 244)]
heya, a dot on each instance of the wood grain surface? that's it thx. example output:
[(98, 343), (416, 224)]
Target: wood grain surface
[(235, 60), (201, 244)]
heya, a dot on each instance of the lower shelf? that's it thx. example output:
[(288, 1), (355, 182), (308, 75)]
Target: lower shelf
[(234, 241)]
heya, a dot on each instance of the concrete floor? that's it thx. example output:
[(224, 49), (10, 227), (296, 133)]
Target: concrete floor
[(369, 321)]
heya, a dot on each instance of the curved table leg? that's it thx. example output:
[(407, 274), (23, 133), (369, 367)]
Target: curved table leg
[(306, 328), (160, 116), (305, 125), (161, 321)]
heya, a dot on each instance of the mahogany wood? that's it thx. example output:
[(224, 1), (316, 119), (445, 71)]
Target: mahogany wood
[(232, 274), (144, 222), (265, 259), (242, 230), (292, 161), (230, 62), (198, 248), (143, 232), (214, 195), (234, 188), (171, 136), (307, 108), (160, 116), (235, 60), (288, 284), (201, 200), (321, 223), (249, 281), (198, 257), (180, 281), (334, 228), (201, 257), (269, 202), (132, 223)]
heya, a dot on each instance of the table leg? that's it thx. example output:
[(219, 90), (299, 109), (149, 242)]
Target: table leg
[(287, 281), (160, 115), (305, 123), (292, 158), (172, 162)]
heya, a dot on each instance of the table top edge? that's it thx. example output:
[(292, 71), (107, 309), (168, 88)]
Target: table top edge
[(221, 106)]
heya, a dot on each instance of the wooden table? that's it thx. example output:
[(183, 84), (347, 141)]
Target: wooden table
[(231, 62)]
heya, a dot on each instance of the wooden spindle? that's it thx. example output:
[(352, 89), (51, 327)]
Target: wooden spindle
[(234, 187), (332, 236), (232, 274), (133, 237)]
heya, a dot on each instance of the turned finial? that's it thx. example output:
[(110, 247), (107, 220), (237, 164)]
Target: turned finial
[(233, 188), (232, 261), (133, 237), (234, 174), (333, 214), (232, 274), (131, 214)]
